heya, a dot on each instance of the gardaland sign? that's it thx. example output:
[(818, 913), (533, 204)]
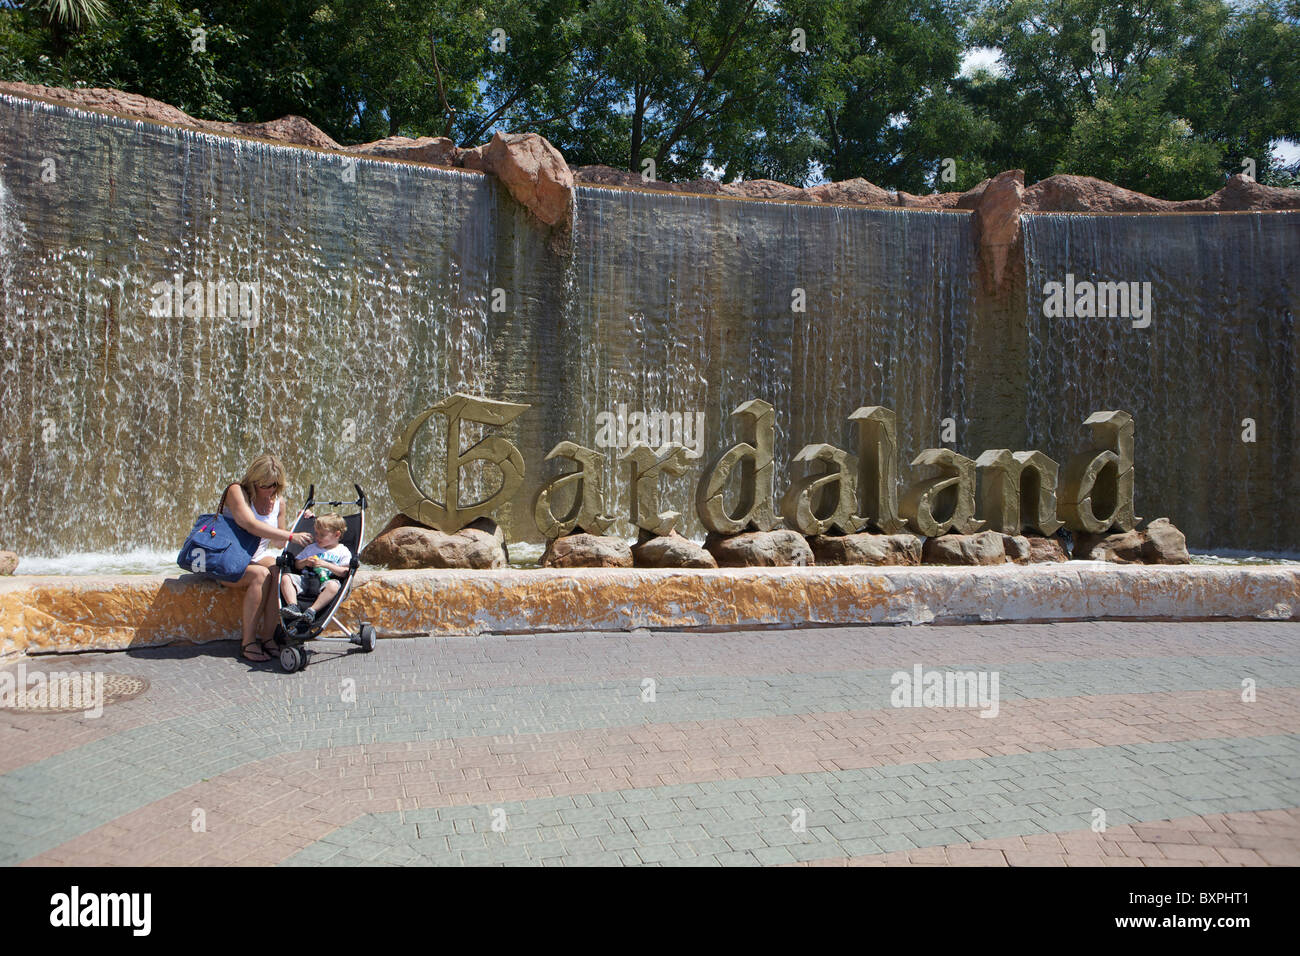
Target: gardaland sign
[(846, 490)]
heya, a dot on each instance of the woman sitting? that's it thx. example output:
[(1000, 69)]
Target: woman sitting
[(256, 505)]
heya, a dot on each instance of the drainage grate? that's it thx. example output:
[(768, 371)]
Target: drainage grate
[(69, 692)]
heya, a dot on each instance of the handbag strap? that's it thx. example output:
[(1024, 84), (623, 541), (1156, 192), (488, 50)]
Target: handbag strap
[(222, 503)]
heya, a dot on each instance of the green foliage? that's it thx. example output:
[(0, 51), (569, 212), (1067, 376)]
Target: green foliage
[(1177, 96), (1168, 98), (1132, 140), (73, 14)]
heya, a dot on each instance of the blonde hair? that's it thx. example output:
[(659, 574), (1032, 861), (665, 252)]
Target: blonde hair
[(331, 522), (264, 470)]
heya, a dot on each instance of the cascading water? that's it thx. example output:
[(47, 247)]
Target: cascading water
[(386, 286), (692, 302), (122, 423), (382, 287), (1221, 349)]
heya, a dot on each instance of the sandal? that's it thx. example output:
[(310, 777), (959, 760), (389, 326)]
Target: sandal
[(251, 648), (271, 646)]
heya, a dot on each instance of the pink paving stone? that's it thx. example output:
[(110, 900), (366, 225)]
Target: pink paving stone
[(1286, 817), (1034, 858), (1001, 843), (928, 855), (970, 856), (1214, 839), (1183, 851), (1154, 833), (1280, 856), (1262, 841), (1143, 851), (1043, 841)]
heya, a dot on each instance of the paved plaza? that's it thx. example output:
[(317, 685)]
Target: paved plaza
[(1116, 744)]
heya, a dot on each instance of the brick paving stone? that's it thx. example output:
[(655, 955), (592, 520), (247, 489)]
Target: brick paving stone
[(1085, 721)]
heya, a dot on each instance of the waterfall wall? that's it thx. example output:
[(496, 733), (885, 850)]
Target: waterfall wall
[(1210, 374), (382, 287)]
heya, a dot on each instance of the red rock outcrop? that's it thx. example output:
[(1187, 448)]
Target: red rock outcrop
[(854, 191), (997, 218), (598, 175), (434, 150), (286, 129), (537, 176), (1062, 193), (532, 169), (763, 189)]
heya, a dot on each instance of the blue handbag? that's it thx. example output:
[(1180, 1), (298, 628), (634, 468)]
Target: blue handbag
[(218, 547)]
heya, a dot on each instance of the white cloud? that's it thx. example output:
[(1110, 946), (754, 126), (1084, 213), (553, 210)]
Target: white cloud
[(982, 58)]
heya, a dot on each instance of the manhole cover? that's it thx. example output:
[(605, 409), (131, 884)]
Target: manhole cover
[(66, 692)]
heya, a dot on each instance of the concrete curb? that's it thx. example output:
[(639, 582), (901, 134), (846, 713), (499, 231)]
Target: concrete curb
[(66, 614)]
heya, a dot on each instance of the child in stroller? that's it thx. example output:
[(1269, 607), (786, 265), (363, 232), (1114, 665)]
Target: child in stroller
[(306, 611), (321, 565)]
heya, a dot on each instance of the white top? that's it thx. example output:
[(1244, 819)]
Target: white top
[(339, 554), (273, 519)]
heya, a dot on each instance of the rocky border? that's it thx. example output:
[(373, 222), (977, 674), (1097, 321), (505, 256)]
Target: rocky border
[(537, 175)]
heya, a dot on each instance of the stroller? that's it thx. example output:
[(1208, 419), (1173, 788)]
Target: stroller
[(292, 637)]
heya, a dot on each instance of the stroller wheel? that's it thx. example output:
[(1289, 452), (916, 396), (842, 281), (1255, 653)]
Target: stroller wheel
[(292, 659), (367, 635)]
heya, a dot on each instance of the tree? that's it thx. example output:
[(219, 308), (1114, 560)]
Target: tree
[(1164, 96)]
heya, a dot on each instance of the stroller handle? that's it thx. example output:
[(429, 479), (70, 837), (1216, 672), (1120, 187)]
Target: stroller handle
[(360, 501)]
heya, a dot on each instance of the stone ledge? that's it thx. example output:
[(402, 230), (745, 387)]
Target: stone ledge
[(62, 614)]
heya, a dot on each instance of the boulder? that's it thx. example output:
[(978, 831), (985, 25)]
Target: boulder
[(8, 562), (1017, 548), (1160, 542), (437, 150), (600, 175), (1122, 547), (781, 548), (1043, 550), (286, 129), (1164, 544), (584, 550), (405, 544), (671, 551), (763, 189), (986, 547), (532, 169), (931, 201), (106, 101), (857, 192), (1064, 193), (997, 219), (866, 548)]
